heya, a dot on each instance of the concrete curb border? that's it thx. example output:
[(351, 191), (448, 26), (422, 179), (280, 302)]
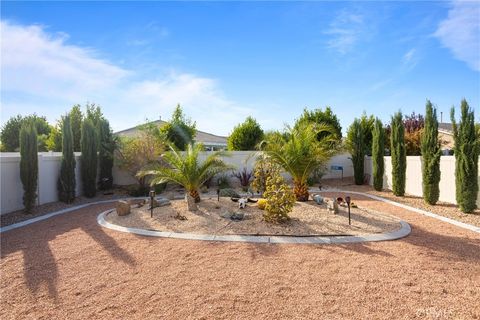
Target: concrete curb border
[(400, 233), (404, 206)]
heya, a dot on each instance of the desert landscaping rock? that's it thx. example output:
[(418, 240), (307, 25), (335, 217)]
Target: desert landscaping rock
[(122, 208)]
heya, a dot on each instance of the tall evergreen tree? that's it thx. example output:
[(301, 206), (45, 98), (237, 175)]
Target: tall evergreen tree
[(29, 164), (467, 149), (76, 119), (89, 158), (105, 155), (66, 181), (431, 152), (357, 148), (378, 151), (399, 155)]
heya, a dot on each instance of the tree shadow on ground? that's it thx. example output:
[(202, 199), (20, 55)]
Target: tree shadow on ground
[(40, 264)]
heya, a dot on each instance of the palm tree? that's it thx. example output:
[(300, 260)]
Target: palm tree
[(300, 152), (185, 169)]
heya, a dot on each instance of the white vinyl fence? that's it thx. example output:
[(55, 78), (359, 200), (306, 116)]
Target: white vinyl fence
[(413, 184), (11, 191)]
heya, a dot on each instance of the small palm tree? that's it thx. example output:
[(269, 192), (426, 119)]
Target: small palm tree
[(185, 169), (300, 151)]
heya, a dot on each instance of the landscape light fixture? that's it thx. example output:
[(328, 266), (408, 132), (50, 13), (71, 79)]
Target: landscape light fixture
[(152, 196), (218, 194), (347, 200)]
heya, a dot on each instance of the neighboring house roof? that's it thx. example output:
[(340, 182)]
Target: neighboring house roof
[(201, 136), (446, 128)]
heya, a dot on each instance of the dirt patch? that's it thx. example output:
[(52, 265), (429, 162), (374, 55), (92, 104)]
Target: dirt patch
[(307, 218)]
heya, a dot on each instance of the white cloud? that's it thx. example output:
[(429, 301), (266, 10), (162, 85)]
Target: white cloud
[(345, 30), (42, 73), (410, 59), (460, 32)]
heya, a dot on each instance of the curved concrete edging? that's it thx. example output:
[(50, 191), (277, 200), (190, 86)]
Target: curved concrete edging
[(400, 233), (404, 206)]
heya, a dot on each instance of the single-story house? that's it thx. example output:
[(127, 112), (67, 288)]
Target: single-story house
[(210, 141), (445, 134)]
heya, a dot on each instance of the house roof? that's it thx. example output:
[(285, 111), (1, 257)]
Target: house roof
[(201, 136)]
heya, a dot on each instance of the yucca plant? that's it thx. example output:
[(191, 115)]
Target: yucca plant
[(299, 153), (185, 168)]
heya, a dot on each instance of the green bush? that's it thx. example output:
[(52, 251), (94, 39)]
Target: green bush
[(378, 150), (280, 200), (467, 149), (356, 146), (105, 155), (66, 180), (399, 155), (431, 152), (10, 133), (29, 164), (89, 158), (322, 117), (223, 181), (229, 192), (245, 136)]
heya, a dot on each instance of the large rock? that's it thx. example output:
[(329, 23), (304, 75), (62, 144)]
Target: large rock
[(191, 205), (122, 207)]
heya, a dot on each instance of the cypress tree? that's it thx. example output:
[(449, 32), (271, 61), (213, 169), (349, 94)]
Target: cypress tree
[(399, 155), (105, 155), (356, 146), (66, 180), (431, 152), (467, 149), (29, 164), (89, 158), (378, 151)]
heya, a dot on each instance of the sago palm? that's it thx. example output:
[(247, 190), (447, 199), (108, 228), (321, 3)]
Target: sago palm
[(185, 169), (300, 152)]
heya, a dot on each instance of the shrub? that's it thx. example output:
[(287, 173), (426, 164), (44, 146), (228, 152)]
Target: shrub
[(105, 155), (399, 156), (89, 158), (261, 203), (322, 117), (264, 168), (431, 152), (378, 150), (136, 153), (10, 133), (245, 136), (223, 181), (180, 130), (356, 147), (467, 149), (279, 200), (54, 140), (66, 180), (244, 177), (29, 164), (229, 192)]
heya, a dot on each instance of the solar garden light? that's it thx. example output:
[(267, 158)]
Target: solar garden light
[(347, 200), (218, 194), (152, 196)]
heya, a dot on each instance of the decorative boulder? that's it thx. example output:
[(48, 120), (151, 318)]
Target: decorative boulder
[(122, 207), (191, 205), (318, 199)]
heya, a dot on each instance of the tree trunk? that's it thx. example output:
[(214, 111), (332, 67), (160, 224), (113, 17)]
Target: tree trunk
[(195, 195), (301, 191)]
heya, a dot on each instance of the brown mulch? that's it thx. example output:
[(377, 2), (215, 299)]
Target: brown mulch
[(306, 218), (445, 209), (68, 267)]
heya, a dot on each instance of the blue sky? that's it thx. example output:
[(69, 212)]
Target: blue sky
[(224, 61)]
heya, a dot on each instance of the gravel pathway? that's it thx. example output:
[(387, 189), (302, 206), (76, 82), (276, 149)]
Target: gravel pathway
[(69, 267)]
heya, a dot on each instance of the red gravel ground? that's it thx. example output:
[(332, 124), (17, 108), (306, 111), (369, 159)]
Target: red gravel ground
[(68, 267)]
